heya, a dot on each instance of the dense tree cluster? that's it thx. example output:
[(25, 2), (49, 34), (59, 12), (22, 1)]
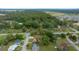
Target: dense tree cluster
[(37, 23)]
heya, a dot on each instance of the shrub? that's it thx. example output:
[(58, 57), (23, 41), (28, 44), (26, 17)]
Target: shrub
[(1, 41), (45, 40), (9, 38), (73, 37), (63, 35), (19, 36)]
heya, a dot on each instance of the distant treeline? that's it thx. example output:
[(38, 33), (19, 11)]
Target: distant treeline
[(8, 11)]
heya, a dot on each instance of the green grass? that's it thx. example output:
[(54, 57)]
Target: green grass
[(70, 48), (2, 37), (50, 47), (19, 48), (29, 46)]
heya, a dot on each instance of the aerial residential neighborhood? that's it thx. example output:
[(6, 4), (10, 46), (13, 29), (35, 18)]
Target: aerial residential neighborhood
[(39, 30)]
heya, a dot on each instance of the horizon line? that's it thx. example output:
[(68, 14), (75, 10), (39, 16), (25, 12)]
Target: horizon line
[(39, 8)]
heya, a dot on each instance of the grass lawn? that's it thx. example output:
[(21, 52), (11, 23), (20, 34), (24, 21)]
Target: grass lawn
[(19, 48), (70, 48), (2, 37), (50, 47)]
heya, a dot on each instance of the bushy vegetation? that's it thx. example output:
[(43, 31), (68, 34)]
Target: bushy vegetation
[(37, 23), (19, 36), (10, 38), (30, 20), (73, 37)]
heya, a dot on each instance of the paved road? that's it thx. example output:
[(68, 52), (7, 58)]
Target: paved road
[(26, 41), (24, 47), (75, 32), (74, 29), (65, 32), (9, 33), (72, 44)]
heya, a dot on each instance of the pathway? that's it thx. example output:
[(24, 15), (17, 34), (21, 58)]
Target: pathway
[(72, 44)]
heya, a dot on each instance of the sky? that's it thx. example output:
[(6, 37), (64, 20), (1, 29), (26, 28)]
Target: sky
[(26, 4)]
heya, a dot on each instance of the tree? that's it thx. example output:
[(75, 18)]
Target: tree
[(19, 36), (63, 35), (45, 40), (73, 38)]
